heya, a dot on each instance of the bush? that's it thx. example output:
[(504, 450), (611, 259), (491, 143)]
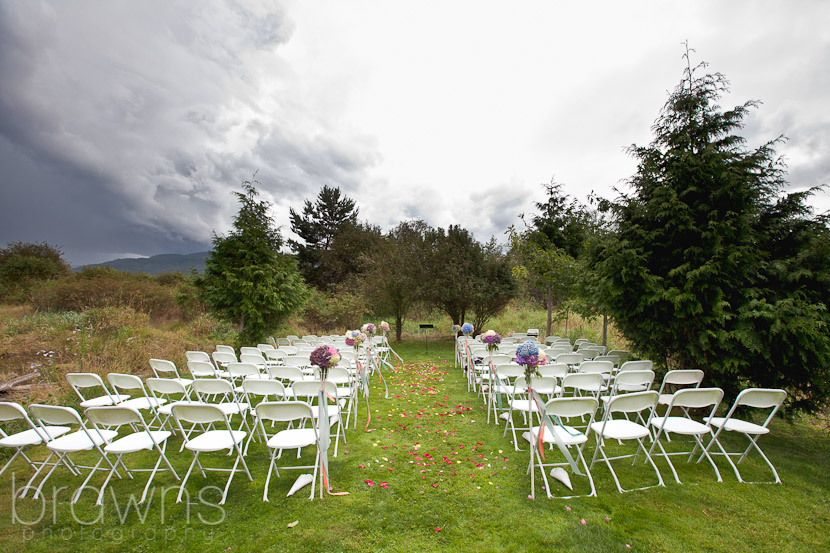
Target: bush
[(99, 287), (25, 265), (327, 312)]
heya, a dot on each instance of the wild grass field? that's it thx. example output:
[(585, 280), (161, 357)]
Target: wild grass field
[(429, 474)]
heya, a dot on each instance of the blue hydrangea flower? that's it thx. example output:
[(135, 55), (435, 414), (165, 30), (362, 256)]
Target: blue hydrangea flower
[(467, 328), (527, 349)]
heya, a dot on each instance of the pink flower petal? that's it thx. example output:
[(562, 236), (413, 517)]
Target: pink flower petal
[(583, 522)]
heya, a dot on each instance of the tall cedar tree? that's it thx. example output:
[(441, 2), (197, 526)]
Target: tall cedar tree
[(317, 226), (712, 265), (247, 280)]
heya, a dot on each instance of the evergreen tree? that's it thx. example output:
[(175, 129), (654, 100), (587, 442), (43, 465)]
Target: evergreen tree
[(317, 226), (712, 265), (246, 279)]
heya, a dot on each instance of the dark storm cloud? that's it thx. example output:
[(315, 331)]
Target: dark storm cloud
[(125, 128)]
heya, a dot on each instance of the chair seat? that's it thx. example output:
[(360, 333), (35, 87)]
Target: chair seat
[(620, 429), (183, 381), (665, 399), (216, 440), (81, 441), (137, 441), (525, 405), (144, 403), (679, 425), (567, 435), (737, 425), (32, 437), (292, 438), (103, 401)]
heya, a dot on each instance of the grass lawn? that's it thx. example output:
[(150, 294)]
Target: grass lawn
[(431, 475)]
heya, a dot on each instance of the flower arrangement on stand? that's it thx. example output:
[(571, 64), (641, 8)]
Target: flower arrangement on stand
[(527, 354), (355, 338), (467, 329), (492, 339), (325, 357), (369, 330), (384, 327)]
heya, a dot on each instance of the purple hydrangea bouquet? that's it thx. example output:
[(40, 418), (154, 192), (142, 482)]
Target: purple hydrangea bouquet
[(492, 339), (369, 330), (324, 357)]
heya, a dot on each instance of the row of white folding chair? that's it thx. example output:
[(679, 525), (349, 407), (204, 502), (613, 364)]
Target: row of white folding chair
[(53, 425)]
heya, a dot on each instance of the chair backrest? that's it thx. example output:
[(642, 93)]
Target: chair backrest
[(283, 411), (583, 381), (509, 371), (579, 341), (633, 402), (569, 358), (249, 349), (556, 370), (604, 367), (116, 415), (241, 370), (613, 358), (639, 365), (283, 342), (621, 353), (499, 359), (265, 347), (293, 374), (166, 387), (210, 387), (694, 398), (275, 355), (198, 414), (762, 398), (339, 375), (85, 380), (681, 377), (226, 349), (222, 358), (289, 350), (198, 356), (55, 414), (10, 411), (567, 407), (264, 388), (310, 389), (163, 366), (297, 360), (120, 381), (201, 369), (632, 378)]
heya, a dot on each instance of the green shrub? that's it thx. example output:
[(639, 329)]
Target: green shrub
[(99, 287), (325, 312)]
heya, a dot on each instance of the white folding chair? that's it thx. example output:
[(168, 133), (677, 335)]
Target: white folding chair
[(170, 390), (142, 439), (521, 402), (625, 430), (291, 412), (203, 369), (221, 359), (83, 439), (225, 349), (557, 411), (218, 436), (309, 392), (33, 435), (500, 389), (571, 359), (676, 378), (262, 391), (221, 394), (582, 383), (685, 425), (143, 401), (83, 381), (163, 367), (758, 398), (629, 381)]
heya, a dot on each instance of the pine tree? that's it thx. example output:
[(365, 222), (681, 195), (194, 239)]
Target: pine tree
[(712, 264), (247, 280), (317, 226)]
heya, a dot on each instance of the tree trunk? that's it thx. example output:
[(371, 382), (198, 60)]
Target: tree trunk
[(605, 329), (567, 311), (398, 328), (241, 323), (549, 301)]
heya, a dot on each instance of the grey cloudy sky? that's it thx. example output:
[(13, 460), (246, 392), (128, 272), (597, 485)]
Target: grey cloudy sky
[(125, 126)]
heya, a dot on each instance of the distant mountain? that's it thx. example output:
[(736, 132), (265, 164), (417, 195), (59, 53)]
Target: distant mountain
[(157, 264)]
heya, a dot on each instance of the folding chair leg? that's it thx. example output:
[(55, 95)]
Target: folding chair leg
[(187, 475), (42, 482), (77, 494), (271, 467)]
